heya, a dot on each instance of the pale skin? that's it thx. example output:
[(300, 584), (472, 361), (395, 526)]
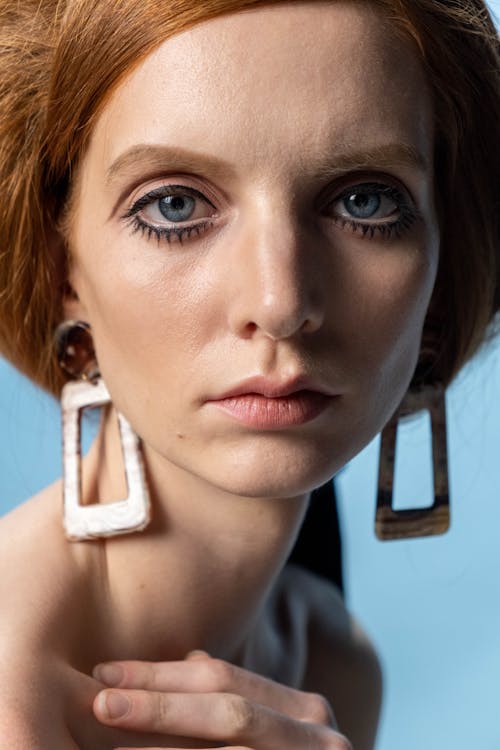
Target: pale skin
[(271, 120)]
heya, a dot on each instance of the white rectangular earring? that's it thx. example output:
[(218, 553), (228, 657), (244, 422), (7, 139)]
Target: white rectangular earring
[(99, 520)]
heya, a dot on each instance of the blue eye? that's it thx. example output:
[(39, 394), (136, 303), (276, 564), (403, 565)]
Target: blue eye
[(373, 207), (370, 201), (362, 205), (177, 207), (175, 204)]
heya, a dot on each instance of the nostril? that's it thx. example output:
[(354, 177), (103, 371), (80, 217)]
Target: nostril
[(252, 327), (313, 322)]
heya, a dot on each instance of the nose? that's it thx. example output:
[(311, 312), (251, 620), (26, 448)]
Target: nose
[(277, 281)]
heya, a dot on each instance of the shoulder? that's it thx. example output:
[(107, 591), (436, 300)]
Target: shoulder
[(27, 522), (29, 542), (30, 590), (25, 731), (31, 702), (47, 703), (27, 537), (43, 577), (341, 662)]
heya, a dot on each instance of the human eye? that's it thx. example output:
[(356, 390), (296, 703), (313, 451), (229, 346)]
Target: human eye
[(373, 208), (171, 212)]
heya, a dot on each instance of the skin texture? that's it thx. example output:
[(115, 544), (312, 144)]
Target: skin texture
[(274, 288), (280, 284)]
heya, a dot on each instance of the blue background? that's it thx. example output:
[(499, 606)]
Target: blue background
[(432, 606)]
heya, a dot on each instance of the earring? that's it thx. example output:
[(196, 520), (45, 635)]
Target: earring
[(410, 523), (75, 351)]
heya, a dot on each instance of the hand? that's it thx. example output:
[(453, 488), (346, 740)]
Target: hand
[(213, 701)]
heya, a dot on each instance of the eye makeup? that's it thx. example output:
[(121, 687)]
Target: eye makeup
[(163, 198), (368, 209), (373, 209)]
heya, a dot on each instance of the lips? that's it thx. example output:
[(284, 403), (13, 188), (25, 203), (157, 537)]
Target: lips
[(266, 404), (274, 388)]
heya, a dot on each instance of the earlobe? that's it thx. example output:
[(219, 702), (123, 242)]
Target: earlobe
[(72, 305)]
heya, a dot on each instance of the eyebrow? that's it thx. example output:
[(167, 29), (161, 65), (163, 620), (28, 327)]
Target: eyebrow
[(167, 157), (384, 156), (162, 157)]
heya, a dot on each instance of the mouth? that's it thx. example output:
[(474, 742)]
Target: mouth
[(264, 404)]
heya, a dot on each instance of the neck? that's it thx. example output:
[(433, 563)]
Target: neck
[(198, 576)]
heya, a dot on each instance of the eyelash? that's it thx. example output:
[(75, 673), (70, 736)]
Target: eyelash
[(133, 219), (407, 213), (166, 232)]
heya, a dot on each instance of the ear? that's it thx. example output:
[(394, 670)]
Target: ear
[(73, 308), (67, 283), (59, 239)]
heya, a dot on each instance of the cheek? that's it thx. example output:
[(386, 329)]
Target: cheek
[(388, 307), (151, 314)]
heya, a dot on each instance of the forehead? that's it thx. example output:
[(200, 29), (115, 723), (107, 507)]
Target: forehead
[(277, 83)]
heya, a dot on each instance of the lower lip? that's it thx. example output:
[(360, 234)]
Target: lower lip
[(255, 410)]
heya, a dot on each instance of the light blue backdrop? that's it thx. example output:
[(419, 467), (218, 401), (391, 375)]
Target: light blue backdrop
[(432, 606)]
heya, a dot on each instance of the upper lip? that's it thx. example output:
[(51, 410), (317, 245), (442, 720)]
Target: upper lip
[(274, 388)]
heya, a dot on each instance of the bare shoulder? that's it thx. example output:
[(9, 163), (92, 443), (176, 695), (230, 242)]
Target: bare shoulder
[(38, 568), (29, 521), (43, 595), (340, 661), (41, 587), (28, 543), (45, 586), (32, 534), (28, 722), (47, 703)]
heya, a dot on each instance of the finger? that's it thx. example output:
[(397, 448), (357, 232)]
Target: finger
[(207, 675), (224, 717), (197, 653)]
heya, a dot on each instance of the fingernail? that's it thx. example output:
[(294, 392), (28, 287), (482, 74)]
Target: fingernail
[(110, 674), (197, 653), (113, 705)]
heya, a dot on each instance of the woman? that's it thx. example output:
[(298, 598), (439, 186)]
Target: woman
[(260, 216)]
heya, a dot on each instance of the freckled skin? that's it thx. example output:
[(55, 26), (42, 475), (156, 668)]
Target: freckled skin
[(278, 284)]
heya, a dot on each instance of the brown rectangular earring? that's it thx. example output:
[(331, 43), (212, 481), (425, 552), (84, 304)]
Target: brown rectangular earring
[(415, 522)]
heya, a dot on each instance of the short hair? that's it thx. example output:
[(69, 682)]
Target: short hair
[(60, 60)]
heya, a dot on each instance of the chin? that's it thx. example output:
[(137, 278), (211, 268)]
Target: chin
[(281, 474), (260, 465)]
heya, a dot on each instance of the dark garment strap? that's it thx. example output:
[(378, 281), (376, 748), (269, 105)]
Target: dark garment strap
[(318, 546)]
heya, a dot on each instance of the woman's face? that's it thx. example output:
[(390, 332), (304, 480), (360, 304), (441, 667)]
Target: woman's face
[(254, 242)]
